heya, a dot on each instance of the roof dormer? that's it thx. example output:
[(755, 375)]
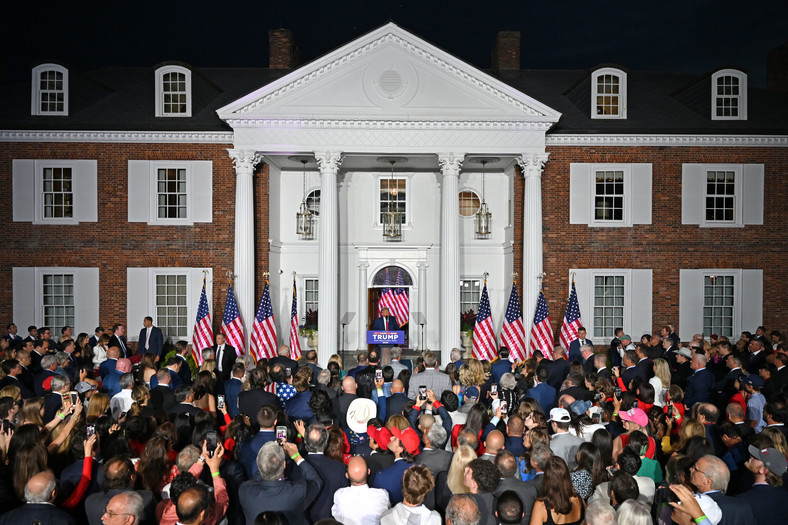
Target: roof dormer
[(729, 95), (49, 90), (173, 91), (608, 94)]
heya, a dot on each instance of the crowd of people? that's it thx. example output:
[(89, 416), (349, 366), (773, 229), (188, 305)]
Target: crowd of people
[(655, 431)]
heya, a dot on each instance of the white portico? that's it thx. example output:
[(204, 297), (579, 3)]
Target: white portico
[(388, 93)]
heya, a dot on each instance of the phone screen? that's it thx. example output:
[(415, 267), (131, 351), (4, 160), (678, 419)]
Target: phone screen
[(423, 392), (220, 401), (493, 388), (210, 442), (379, 374), (281, 434), (91, 430), (504, 407)]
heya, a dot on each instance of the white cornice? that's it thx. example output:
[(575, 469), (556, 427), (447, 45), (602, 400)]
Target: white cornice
[(148, 137), (667, 140), (387, 124)]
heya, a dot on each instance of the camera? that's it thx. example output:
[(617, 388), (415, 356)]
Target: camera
[(281, 434)]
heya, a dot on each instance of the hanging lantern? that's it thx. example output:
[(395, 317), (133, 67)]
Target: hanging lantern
[(392, 219), (483, 217), (304, 217)]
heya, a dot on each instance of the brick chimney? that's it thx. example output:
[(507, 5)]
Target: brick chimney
[(506, 55), (777, 69), (282, 51)]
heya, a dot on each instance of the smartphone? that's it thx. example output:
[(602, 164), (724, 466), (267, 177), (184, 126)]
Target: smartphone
[(379, 375), (122, 416), (618, 393), (91, 431), (422, 391), (281, 434), (597, 417), (210, 442), (7, 425), (74, 397), (220, 401), (288, 371), (493, 388), (504, 407)]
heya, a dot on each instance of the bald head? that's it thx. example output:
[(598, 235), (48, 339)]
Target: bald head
[(494, 442), (113, 352), (357, 470), (349, 385), (397, 387), (41, 488), (123, 365)]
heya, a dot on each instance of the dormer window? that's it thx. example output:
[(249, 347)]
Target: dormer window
[(49, 94), (173, 92), (729, 95), (609, 94)]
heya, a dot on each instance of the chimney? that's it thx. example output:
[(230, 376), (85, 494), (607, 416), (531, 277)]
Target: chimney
[(282, 51), (777, 69), (506, 55)]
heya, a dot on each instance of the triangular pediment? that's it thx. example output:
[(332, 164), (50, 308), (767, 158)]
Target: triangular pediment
[(392, 75)]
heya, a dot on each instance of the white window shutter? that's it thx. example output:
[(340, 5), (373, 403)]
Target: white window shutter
[(23, 191), (752, 199), (693, 203), (86, 299), (585, 298), (690, 303), (85, 177), (24, 289), (640, 200), (640, 298), (201, 191), (751, 299), (580, 188), (139, 191), (139, 302)]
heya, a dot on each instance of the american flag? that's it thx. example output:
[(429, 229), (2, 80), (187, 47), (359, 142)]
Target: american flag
[(484, 346), (203, 332), (295, 344), (513, 331), (571, 320), (401, 301), (542, 332), (264, 330), (387, 299), (232, 327)]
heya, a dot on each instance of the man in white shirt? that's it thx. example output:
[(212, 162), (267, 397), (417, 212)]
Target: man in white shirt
[(151, 339), (121, 402), (359, 504)]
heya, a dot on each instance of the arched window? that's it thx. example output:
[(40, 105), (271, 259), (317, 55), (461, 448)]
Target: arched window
[(392, 276), (49, 95), (313, 202), (609, 94), (173, 92), (729, 95), (469, 203)]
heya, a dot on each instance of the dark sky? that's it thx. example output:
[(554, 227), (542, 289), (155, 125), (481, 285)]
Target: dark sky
[(688, 36)]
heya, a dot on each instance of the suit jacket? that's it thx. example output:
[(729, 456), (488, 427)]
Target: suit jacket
[(285, 362), (645, 368), (768, 504), (433, 379), (486, 504), (249, 402), (341, 404), (699, 387), (38, 382), (37, 512), (290, 497), (185, 373), (120, 343), (332, 473), (436, 460), (631, 373), (557, 372), (232, 389), (228, 358), (391, 480), (106, 367), (604, 373), (499, 368), (514, 444), (297, 407), (251, 447), (565, 445), (574, 349), (15, 381), (734, 510), (527, 493), (544, 394), (162, 397), (366, 381), (180, 408), (395, 403), (155, 344), (579, 392), (379, 324), (756, 362), (111, 383), (96, 503)]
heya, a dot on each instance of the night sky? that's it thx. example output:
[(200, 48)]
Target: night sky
[(687, 36)]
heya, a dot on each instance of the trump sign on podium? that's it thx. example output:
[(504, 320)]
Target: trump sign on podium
[(385, 338)]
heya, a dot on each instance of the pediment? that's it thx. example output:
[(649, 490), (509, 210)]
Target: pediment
[(391, 75)]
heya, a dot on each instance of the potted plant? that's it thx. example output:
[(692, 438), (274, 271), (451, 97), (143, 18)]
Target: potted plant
[(309, 328), (467, 322)]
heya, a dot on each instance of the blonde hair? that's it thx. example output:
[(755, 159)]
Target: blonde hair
[(98, 405), (455, 478), (209, 365), (398, 421), (335, 358), (11, 391), (474, 375), (662, 371), (778, 439), (688, 429)]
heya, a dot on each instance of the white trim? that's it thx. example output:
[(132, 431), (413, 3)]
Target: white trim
[(622, 93), (160, 91), (779, 141), (144, 137), (626, 215), (35, 90), (155, 166), (742, 96), (738, 196), (497, 125)]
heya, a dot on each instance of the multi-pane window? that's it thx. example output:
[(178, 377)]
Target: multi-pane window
[(393, 198), (727, 97), (313, 202), (718, 305), (720, 195), (469, 203), (609, 196), (311, 290), (608, 304), (171, 193), (51, 92), (58, 299), (470, 294), (608, 90), (174, 94), (58, 193), (171, 309)]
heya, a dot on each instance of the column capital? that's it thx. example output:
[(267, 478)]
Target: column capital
[(451, 162), (532, 164), (244, 160), (363, 265), (423, 265), (328, 161)]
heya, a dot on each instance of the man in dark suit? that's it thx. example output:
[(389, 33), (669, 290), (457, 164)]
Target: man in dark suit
[(502, 365), (265, 416), (13, 339), (559, 368), (225, 357), (700, 384), (284, 359), (151, 339), (13, 370), (48, 367), (365, 379), (23, 356), (433, 456), (757, 356), (32, 333), (578, 388), (766, 498), (97, 333), (542, 392), (110, 363), (35, 356), (292, 498), (600, 365), (395, 403), (184, 396), (40, 506), (615, 344), (507, 466), (386, 322), (342, 401), (162, 396), (644, 365), (630, 371), (185, 371), (117, 339), (331, 472), (251, 400), (577, 344), (233, 387)]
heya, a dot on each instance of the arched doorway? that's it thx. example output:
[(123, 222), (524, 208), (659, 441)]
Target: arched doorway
[(391, 288)]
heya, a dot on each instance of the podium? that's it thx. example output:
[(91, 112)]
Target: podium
[(385, 339)]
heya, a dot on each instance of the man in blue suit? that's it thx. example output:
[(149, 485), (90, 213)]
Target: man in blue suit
[(151, 339), (543, 393), (331, 471), (404, 445), (700, 383), (109, 364), (266, 418), (233, 387), (577, 344), (40, 505), (502, 365), (386, 322)]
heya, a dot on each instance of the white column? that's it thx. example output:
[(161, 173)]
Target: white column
[(422, 266), (244, 161), (328, 238), (450, 251), (531, 166), (363, 298)]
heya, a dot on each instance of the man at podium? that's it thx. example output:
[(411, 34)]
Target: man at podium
[(386, 322)]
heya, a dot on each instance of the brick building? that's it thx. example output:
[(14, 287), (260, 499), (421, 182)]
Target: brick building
[(660, 193)]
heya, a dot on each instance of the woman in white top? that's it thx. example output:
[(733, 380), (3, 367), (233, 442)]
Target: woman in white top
[(660, 381), (100, 350)]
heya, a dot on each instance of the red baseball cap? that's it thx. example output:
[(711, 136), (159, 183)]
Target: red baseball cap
[(382, 436), (408, 437)]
